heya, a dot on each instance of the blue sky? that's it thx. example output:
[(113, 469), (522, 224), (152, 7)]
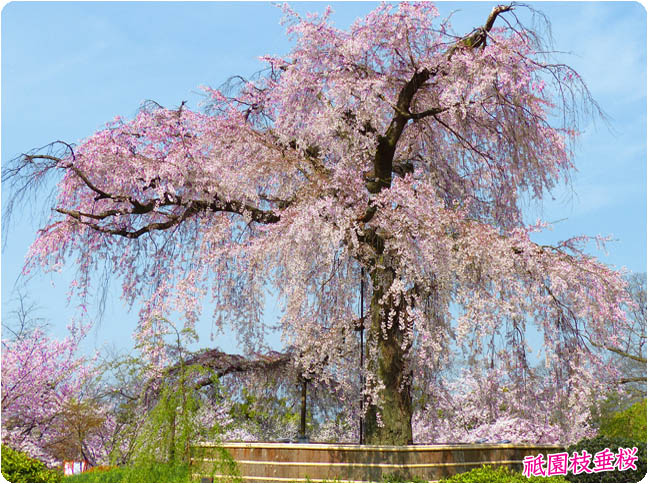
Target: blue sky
[(68, 68)]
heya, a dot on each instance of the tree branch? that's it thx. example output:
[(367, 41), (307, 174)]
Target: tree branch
[(383, 159), (620, 352), (221, 364), (632, 380)]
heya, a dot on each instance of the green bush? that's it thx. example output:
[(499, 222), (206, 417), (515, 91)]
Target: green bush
[(498, 474), (629, 423), (154, 472), (598, 444), (19, 467), (160, 444), (160, 472), (401, 477)]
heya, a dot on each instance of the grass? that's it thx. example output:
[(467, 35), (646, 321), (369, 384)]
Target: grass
[(154, 472)]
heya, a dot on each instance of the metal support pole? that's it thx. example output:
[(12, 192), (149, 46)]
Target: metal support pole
[(302, 423), (362, 383)]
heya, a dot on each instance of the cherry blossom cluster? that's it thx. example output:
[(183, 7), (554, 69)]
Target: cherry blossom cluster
[(494, 406)]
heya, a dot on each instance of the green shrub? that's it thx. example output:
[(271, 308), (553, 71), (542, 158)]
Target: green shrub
[(154, 472), (629, 423), (598, 444), (160, 444), (223, 467), (101, 468), (498, 474), (161, 472), (19, 467), (401, 477)]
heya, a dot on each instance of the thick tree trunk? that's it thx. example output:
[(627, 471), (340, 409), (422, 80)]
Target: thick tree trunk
[(389, 422)]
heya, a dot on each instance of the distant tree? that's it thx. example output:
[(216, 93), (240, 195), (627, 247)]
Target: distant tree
[(23, 319), (630, 355), (394, 149), (629, 361), (40, 376), (51, 403), (80, 431)]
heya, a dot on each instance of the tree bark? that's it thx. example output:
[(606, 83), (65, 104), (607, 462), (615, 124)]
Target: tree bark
[(389, 421)]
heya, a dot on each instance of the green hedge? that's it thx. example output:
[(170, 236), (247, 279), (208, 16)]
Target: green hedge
[(19, 467), (598, 444), (498, 474)]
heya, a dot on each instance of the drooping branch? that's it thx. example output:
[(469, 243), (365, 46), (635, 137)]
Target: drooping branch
[(131, 234), (136, 207), (225, 363), (219, 364), (192, 208)]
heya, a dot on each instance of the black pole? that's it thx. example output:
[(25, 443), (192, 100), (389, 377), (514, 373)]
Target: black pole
[(361, 355), (302, 423)]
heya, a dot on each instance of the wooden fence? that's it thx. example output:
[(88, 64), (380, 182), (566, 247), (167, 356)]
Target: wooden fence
[(296, 462)]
